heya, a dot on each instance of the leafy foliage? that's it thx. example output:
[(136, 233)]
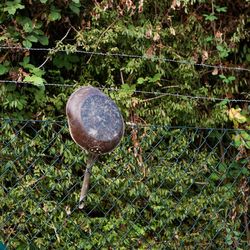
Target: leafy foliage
[(176, 195)]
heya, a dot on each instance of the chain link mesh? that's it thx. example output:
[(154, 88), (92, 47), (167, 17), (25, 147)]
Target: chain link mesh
[(164, 187)]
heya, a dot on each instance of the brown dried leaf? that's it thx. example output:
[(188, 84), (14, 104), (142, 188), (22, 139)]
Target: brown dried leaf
[(156, 37), (149, 33), (204, 56), (172, 31), (150, 51), (195, 57), (215, 72), (140, 7), (175, 3), (235, 115), (218, 35)]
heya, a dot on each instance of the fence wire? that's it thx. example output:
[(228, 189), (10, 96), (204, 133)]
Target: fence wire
[(122, 55), (164, 187), (155, 94)]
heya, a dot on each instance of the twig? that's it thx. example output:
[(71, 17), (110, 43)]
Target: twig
[(122, 79), (247, 228), (57, 236), (172, 86), (98, 41), (153, 98), (222, 153), (48, 57)]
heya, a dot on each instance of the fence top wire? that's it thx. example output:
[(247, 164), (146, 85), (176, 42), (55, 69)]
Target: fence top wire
[(128, 56), (129, 124), (156, 93)]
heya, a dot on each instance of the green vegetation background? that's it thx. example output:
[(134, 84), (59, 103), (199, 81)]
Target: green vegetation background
[(145, 194)]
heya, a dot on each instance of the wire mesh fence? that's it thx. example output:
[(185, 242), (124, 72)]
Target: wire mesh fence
[(164, 187)]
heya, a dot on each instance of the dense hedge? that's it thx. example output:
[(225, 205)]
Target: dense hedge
[(151, 192), (182, 194)]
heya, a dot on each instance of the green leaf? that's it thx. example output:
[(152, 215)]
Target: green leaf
[(222, 167), (27, 44), (155, 78), (54, 14), (210, 17), (245, 171), (37, 71), (43, 1), (248, 57), (43, 40), (231, 78), (222, 77), (26, 61), (220, 9), (245, 137), (140, 80), (28, 27), (214, 176), (220, 48), (128, 88), (209, 39), (32, 38), (237, 141), (75, 8), (13, 6), (35, 80), (223, 103), (3, 69)]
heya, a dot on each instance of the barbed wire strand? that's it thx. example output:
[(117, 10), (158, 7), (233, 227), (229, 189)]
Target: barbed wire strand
[(128, 56), (128, 124), (156, 93), (30, 83)]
